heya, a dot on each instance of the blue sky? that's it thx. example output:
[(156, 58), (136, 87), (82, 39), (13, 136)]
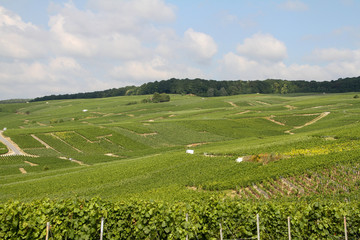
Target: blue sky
[(60, 46)]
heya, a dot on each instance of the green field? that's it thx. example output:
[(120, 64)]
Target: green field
[(138, 150), (293, 147)]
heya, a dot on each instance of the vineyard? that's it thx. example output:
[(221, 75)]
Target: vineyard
[(81, 219), (299, 158)]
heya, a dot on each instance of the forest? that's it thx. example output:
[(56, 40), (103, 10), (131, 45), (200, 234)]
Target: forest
[(213, 88)]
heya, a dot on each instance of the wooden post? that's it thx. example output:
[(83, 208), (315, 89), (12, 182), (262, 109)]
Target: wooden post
[(187, 219), (47, 230), (221, 234), (289, 229), (345, 229), (258, 226), (102, 228)]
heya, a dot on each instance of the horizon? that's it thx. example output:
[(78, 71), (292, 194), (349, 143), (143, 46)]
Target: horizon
[(9, 99), (65, 47)]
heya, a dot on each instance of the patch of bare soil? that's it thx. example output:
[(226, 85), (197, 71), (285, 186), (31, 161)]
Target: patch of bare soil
[(292, 186), (290, 107), (22, 170), (209, 155), (100, 113), (260, 191), (31, 164), (192, 188), (172, 115)]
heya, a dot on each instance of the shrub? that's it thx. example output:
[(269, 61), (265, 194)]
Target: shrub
[(163, 97), (132, 103)]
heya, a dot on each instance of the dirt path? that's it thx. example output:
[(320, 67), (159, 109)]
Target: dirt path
[(52, 134), (79, 162), (31, 164), (14, 149), (147, 134), (274, 121), (44, 143), (246, 111), (111, 155), (196, 144), (75, 161), (264, 103), (232, 104), (40, 141), (322, 115), (22, 170)]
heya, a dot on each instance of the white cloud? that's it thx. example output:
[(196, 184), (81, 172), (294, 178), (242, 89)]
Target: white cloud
[(157, 68), (233, 66), (294, 5), (83, 46), (333, 54), (18, 39), (263, 47), (139, 10), (71, 43), (138, 70), (117, 43), (201, 45)]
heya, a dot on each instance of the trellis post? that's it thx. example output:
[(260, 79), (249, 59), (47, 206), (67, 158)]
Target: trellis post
[(345, 229), (47, 230), (258, 226), (221, 233), (102, 229), (289, 228), (187, 219)]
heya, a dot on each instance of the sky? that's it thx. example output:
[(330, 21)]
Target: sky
[(63, 46)]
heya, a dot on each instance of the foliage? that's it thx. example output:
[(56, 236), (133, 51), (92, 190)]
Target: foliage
[(137, 152), (131, 103), (163, 97), (211, 88), (81, 219), (3, 148)]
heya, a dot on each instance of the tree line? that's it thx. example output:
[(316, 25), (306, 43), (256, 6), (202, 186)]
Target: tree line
[(213, 88)]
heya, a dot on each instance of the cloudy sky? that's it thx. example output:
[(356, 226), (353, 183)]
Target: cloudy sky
[(63, 46)]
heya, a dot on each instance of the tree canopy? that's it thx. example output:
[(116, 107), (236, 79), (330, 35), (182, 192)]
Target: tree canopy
[(213, 88)]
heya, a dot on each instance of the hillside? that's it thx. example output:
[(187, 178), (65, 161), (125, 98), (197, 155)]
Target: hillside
[(278, 156), (293, 146)]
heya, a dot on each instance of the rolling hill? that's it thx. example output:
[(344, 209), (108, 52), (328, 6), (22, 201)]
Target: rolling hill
[(292, 147)]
